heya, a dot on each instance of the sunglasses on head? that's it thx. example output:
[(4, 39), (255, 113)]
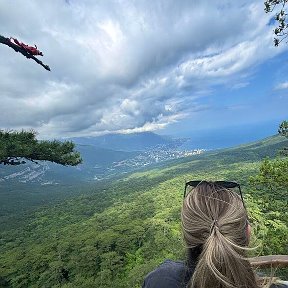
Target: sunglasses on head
[(224, 184)]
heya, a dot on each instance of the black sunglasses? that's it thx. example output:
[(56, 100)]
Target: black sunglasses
[(224, 184)]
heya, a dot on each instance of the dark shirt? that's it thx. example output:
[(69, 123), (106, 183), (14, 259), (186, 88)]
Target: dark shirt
[(174, 274), (170, 274)]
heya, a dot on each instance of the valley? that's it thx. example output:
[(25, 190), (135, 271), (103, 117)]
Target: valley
[(101, 163), (112, 233)]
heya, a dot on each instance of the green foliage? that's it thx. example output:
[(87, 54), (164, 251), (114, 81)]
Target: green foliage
[(115, 235), (283, 130), (281, 30), (269, 221), (272, 178), (271, 184), (16, 146)]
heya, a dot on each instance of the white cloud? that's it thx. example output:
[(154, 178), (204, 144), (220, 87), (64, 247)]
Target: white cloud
[(281, 86), (122, 66)]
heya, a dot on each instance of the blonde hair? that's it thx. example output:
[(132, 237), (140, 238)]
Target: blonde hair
[(215, 219)]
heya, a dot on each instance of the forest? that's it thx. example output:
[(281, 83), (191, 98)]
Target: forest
[(114, 234)]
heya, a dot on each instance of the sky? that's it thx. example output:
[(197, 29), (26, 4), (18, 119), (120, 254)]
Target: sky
[(171, 67)]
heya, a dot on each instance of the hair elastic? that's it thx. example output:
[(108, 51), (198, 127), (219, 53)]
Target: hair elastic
[(213, 225)]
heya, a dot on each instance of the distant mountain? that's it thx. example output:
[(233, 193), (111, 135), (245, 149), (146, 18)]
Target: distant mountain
[(105, 163), (126, 142), (103, 157), (95, 162)]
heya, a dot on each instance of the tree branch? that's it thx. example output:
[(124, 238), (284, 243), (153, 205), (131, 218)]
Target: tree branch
[(17, 147), (16, 48)]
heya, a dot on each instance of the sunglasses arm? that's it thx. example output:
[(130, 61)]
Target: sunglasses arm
[(184, 194), (241, 197)]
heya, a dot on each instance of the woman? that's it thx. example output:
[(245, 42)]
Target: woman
[(216, 233)]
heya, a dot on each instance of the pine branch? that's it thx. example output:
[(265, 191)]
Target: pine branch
[(17, 147), (16, 48)]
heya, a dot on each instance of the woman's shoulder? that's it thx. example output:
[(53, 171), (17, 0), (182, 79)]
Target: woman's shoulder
[(174, 274), (169, 274)]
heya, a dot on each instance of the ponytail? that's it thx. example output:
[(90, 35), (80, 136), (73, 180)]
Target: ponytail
[(222, 264)]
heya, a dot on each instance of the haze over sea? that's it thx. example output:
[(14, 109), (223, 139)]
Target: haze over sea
[(230, 136)]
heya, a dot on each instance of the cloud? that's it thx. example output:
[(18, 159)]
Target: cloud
[(124, 66), (240, 85), (281, 86)]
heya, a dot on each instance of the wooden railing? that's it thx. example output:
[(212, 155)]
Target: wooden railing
[(269, 261)]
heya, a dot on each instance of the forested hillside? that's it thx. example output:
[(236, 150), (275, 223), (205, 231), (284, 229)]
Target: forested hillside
[(114, 236)]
